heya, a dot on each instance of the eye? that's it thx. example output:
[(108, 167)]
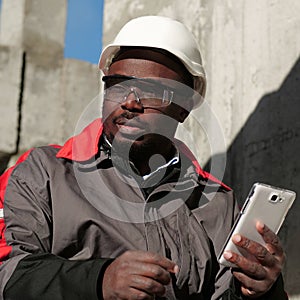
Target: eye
[(118, 88), (115, 91), (152, 91)]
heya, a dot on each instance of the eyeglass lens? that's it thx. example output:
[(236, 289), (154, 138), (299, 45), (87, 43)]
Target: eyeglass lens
[(148, 92)]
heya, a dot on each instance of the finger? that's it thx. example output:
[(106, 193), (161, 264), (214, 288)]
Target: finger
[(138, 294), (156, 272), (147, 285), (272, 240), (157, 259), (144, 264), (250, 286), (149, 270), (250, 268), (256, 250), (249, 293)]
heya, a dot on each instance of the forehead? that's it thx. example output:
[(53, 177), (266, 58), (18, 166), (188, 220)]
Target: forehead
[(148, 63)]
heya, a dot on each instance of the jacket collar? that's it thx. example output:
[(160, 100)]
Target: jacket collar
[(85, 146)]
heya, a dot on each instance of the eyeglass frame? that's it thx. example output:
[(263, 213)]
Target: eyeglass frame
[(132, 89)]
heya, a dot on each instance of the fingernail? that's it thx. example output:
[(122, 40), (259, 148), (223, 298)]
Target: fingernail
[(227, 254), (176, 269), (236, 238), (250, 292), (260, 224)]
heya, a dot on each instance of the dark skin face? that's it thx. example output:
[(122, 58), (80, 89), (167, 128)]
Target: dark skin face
[(146, 130)]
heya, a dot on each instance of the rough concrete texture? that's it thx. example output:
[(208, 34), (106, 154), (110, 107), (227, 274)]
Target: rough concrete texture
[(11, 26), (44, 103), (80, 79), (251, 55), (10, 78), (44, 31), (36, 27), (54, 101)]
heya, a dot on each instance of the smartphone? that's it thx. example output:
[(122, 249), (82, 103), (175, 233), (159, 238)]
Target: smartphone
[(264, 203)]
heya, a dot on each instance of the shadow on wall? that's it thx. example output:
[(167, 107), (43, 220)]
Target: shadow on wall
[(267, 150)]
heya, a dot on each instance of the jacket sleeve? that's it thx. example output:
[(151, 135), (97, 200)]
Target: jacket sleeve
[(28, 270), (46, 276)]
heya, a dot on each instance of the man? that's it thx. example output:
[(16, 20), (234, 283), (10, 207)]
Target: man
[(123, 210)]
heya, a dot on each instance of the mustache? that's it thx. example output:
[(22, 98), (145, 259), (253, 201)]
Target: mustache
[(130, 119)]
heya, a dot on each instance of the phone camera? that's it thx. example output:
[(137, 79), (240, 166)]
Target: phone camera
[(275, 198)]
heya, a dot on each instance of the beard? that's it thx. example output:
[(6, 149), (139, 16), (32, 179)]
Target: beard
[(140, 145), (140, 148)]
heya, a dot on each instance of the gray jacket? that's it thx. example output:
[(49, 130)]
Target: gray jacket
[(68, 211)]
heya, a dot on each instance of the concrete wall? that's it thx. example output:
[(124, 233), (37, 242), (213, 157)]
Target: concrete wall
[(251, 55), (42, 94), (11, 60)]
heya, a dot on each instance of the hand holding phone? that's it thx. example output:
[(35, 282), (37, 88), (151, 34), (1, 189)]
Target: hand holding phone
[(264, 203)]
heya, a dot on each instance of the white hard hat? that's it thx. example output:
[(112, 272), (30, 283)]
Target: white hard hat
[(161, 33)]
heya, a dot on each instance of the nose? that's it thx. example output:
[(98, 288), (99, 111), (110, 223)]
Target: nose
[(132, 101)]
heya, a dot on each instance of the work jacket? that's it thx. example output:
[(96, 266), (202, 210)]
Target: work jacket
[(68, 211)]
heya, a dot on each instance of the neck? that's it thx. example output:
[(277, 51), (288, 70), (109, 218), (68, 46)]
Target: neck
[(148, 161), (146, 156)]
